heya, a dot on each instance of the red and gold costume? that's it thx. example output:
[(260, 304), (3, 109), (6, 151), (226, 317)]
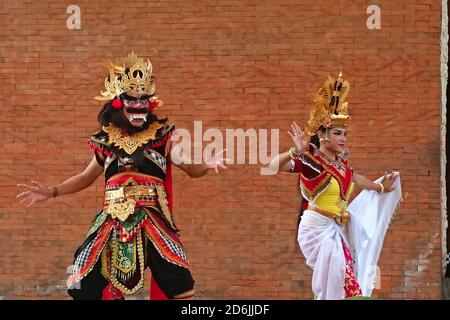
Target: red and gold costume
[(326, 187), (135, 228)]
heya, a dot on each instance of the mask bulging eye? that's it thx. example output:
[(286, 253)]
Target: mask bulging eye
[(138, 73)]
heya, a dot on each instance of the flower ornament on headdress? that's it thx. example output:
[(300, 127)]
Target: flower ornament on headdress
[(133, 76), (330, 107)]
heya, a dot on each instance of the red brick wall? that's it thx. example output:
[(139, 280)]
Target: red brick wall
[(231, 64)]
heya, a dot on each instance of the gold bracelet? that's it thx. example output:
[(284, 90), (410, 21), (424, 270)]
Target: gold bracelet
[(293, 154), (290, 154), (381, 186)]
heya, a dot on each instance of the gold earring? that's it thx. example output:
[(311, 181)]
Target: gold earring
[(321, 140)]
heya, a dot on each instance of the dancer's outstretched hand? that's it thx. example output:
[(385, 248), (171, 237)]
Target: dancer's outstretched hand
[(35, 192), (217, 161), (388, 181), (299, 138)]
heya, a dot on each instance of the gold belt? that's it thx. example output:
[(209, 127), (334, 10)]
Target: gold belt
[(120, 203), (128, 192), (342, 218)]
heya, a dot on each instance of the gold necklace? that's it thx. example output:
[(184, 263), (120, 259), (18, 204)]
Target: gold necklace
[(130, 143), (336, 163)]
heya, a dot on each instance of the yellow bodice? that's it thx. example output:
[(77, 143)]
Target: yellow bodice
[(330, 200)]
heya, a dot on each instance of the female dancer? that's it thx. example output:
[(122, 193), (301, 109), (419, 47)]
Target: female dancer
[(326, 181)]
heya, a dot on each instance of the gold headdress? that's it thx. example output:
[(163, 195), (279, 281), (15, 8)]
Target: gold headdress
[(330, 106), (132, 75)]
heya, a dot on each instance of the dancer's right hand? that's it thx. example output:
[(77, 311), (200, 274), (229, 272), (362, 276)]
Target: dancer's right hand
[(388, 181), (35, 192), (299, 138)]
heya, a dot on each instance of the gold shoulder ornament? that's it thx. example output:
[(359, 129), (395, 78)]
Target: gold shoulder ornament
[(130, 143)]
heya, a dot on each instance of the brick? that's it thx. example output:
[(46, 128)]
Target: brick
[(233, 65)]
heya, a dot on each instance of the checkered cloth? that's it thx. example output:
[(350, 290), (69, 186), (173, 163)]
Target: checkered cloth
[(447, 264), (173, 246), (82, 258)]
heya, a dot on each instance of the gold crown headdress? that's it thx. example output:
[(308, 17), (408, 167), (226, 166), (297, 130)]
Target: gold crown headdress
[(132, 75), (330, 106)]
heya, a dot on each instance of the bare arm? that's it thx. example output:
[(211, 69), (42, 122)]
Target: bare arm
[(82, 180), (36, 192), (183, 162), (281, 162), (364, 183), (193, 170)]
